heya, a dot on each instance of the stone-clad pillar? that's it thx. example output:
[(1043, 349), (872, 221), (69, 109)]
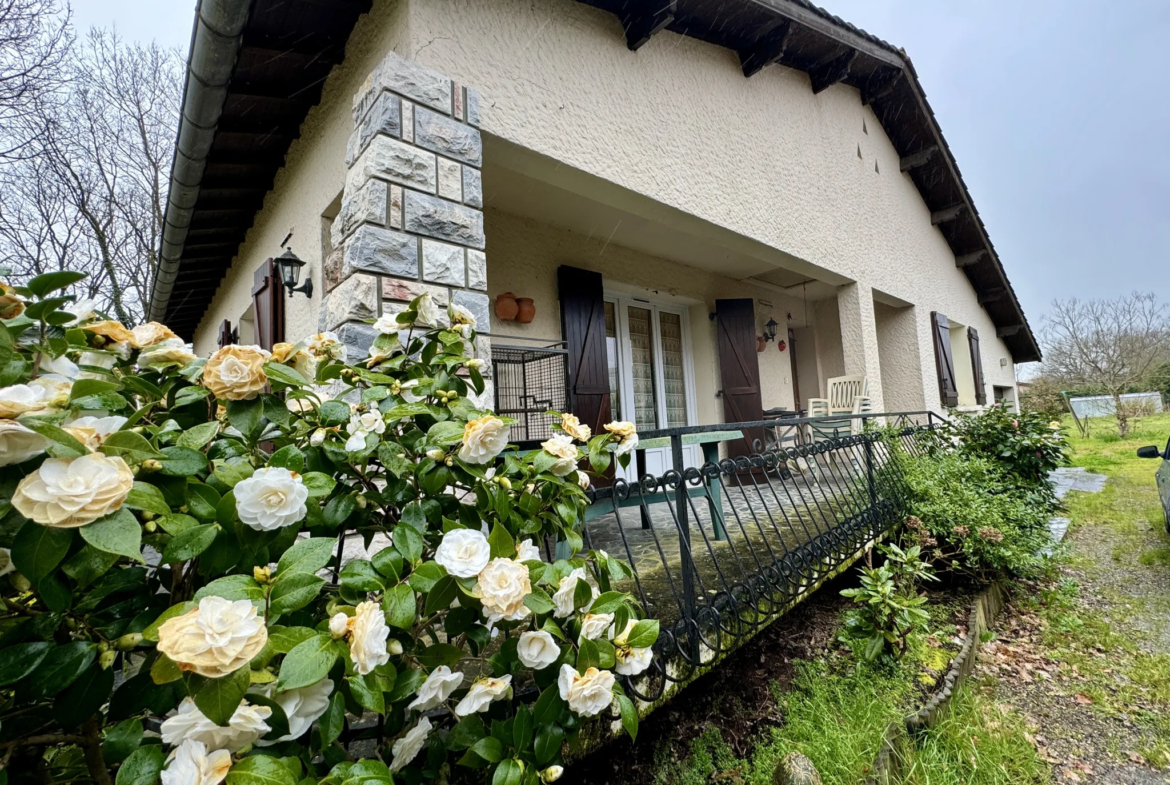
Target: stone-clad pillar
[(859, 339), (411, 218)]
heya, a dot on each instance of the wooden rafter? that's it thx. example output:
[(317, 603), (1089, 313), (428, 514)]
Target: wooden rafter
[(947, 214), (919, 158), (968, 259), (827, 74), (767, 50), (643, 18)]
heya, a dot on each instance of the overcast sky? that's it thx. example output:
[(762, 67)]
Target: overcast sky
[(1056, 111)]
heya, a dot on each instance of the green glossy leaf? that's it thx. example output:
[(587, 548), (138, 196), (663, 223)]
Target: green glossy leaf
[(644, 634), (199, 436), (20, 660), (176, 523), (426, 576), (189, 543), (360, 576), (84, 697), (501, 542), (445, 433), (51, 282), (366, 692), (64, 445), (60, 668), (142, 767), (121, 740), (441, 596), (246, 416), (232, 587), (548, 744), (285, 639), (260, 770), (285, 375), (202, 501), (400, 606), (509, 772), (144, 496), (37, 550), (219, 698), (83, 387), (183, 462), (489, 748), (538, 601), (306, 556), (318, 483), (629, 716), (294, 591), (118, 533), (308, 663), (130, 445), (288, 457), (440, 654), (332, 722)]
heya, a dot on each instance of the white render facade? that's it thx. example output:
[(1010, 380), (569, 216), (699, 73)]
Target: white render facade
[(472, 147)]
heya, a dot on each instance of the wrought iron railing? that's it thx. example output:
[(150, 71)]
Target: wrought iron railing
[(720, 550)]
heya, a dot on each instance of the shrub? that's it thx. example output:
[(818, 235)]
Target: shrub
[(972, 518), (891, 609), (171, 528), (1026, 445)]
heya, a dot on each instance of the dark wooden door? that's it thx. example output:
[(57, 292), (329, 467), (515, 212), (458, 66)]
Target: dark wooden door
[(739, 370), (583, 329), (267, 306)]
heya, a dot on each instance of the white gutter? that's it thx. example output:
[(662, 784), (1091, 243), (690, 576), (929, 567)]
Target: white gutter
[(215, 42)]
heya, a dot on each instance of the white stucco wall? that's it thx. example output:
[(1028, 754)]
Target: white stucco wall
[(901, 357), (676, 122)]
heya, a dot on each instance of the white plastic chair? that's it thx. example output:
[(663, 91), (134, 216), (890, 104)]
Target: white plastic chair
[(847, 395)]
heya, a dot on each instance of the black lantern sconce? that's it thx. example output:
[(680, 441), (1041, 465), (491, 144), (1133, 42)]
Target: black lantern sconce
[(288, 267), (770, 330)]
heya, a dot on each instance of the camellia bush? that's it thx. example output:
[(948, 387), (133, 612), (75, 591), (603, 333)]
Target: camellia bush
[(1026, 445), (177, 603)]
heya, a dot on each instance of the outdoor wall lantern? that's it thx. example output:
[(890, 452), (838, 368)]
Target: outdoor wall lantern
[(288, 267), (770, 330)]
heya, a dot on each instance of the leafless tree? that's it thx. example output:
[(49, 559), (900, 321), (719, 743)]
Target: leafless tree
[(1110, 345), (34, 44), (93, 195)]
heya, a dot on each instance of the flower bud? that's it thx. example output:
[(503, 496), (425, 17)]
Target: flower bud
[(394, 647), (338, 625), (147, 515), (107, 659), (360, 500), (184, 509), (103, 646), (138, 429), (475, 363), (151, 465), (552, 773), (128, 641), (436, 454), (530, 488), (318, 437), (150, 526), (505, 483), (19, 582), (261, 574)]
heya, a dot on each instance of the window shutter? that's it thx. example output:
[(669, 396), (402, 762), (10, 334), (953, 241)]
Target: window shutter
[(583, 329), (739, 371), (977, 366), (268, 303), (226, 336), (944, 362)]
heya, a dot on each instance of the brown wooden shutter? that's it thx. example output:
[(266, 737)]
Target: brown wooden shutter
[(583, 329), (268, 306), (977, 366), (739, 370), (226, 335), (944, 362)]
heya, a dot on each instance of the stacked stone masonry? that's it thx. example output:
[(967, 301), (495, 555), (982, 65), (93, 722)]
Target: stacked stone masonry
[(411, 219)]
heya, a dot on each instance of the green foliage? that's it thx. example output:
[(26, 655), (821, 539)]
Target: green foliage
[(890, 609), (229, 480), (1026, 445), (971, 517)]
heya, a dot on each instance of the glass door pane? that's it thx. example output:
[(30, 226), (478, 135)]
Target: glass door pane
[(642, 368), (613, 360), (673, 378)]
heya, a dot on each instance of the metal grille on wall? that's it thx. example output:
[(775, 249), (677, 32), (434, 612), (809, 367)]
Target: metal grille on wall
[(530, 381)]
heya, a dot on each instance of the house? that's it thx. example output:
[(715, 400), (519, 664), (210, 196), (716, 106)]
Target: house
[(671, 183)]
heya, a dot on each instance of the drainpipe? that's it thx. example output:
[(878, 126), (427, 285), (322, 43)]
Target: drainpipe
[(215, 42)]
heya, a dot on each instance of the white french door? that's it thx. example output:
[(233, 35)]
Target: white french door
[(651, 374)]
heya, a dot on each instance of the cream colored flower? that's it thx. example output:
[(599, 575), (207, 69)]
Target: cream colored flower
[(18, 444), (367, 638), (272, 498), (583, 480), (428, 312), (437, 688), (95, 359), (92, 431), (191, 764), (594, 625), (462, 320), (326, 344), (503, 584), (537, 650), (216, 638), (318, 437), (406, 748), (82, 310), (527, 550), (463, 553), (236, 373), (387, 324), (361, 424), (11, 303), (552, 774), (115, 331), (406, 391), (302, 706), (567, 588), (149, 334), (572, 426), (483, 440), (54, 388), (482, 693), (630, 661), (6, 565), (303, 360), (172, 351), (58, 369), (626, 432), (69, 492), (245, 727), (588, 694), (19, 399), (562, 448), (339, 625)]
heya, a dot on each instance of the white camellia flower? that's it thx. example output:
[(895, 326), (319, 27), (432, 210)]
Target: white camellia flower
[(216, 638), (594, 625), (630, 661), (18, 443), (360, 425), (272, 498), (387, 324), (589, 693), (82, 311), (103, 360), (436, 689), (537, 650), (428, 312), (406, 391), (626, 432), (583, 480), (367, 638), (562, 448), (245, 727), (563, 598), (70, 492), (483, 440), (482, 693), (503, 584), (527, 550), (19, 399), (339, 625), (406, 748), (302, 706), (571, 425), (463, 552), (460, 315), (6, 565), (191, 764), (92, 431), (172, 351), (59, 366)]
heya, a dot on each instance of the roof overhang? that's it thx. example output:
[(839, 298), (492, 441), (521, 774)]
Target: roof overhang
[(286, 48)]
